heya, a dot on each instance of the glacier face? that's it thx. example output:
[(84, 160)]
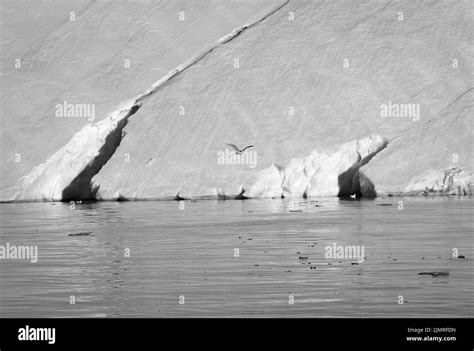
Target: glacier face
[(305, 80), (102, 53)]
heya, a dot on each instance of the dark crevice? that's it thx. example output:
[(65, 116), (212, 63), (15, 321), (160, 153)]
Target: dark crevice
[(122, 198), (241, 195), (179, 198), (353, 182), (81, 187)]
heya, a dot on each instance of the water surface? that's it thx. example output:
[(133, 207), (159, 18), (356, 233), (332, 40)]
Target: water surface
[(191, 253)]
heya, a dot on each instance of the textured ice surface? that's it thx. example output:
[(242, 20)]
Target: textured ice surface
[(67, 173), (311, 76), (320, 174), (84, 61)]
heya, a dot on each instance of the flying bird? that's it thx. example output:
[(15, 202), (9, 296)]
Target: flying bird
[(237, 150)]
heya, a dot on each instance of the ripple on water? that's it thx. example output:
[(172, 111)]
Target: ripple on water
[(191, 253)]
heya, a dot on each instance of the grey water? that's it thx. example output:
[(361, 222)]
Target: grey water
[(240, 258)]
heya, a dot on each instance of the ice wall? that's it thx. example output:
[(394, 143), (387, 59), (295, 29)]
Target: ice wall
[(303, 76)]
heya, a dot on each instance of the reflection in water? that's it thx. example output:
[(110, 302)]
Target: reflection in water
[(142, 256)]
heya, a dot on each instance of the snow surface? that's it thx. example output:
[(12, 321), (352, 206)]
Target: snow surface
[(300, 87)]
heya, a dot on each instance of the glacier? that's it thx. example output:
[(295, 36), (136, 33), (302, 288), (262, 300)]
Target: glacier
[(305, 82)]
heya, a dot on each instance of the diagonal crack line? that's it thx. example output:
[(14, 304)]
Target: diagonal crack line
[(207, 50), (454, 100), (457, 98), (367, 17)]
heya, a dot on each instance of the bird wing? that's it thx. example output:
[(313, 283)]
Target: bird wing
[(234, 146), (245, 148)]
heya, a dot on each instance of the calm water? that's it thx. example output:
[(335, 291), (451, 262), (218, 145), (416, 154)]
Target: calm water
[(190, 253)]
